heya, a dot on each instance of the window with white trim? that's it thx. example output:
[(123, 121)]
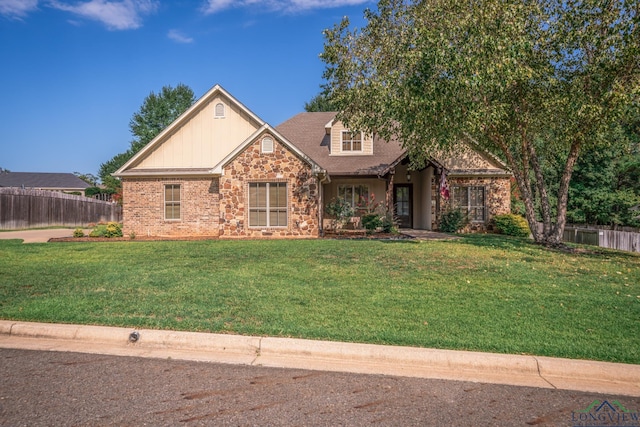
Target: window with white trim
[(172, 201), (268, 204), (219, 110), (267, 145), (357, 195), (351, 141), (471, 199)]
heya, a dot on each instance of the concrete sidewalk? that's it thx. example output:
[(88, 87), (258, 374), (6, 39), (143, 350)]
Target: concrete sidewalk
[(533, 371)]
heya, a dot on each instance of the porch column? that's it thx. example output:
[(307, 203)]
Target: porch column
[(427, 196)]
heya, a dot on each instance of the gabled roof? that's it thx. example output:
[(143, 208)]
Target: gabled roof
[(215, 91), (311, 133), (308, 132), (42, 180), (218, 169)]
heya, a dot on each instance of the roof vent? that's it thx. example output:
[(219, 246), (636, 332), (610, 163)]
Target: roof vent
[(219, 113)]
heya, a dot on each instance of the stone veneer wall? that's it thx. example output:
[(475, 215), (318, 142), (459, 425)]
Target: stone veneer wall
[(143, 207), (280, 166), (497, 195)]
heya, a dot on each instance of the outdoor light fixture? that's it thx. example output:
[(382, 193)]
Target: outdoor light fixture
[(408, 176)]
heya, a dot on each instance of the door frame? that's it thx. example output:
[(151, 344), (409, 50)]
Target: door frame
[(395, 201)]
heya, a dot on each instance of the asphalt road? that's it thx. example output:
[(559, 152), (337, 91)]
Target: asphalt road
[(42, 388)]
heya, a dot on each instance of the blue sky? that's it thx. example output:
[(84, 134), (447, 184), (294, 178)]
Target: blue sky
[(74, 71)]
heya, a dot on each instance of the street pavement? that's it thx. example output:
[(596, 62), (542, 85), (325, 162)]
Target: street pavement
[(50, 388)]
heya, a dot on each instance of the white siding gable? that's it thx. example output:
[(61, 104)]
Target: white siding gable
[(203, 139)]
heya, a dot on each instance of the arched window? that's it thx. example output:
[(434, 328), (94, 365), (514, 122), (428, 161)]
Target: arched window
[(267, 145)]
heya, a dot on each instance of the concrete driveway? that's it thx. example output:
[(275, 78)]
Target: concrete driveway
[(38, 236)]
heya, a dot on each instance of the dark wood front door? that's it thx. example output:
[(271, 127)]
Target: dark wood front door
[(402, 204)]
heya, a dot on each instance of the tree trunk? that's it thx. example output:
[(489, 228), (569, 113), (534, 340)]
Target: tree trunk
[(524, 184), (555, 238)]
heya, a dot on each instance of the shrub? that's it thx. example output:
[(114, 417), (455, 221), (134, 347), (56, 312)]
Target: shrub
[(78, 232), (113, 230), (341, 211), (100, 230), (453, 220), (389, 223), (511, 225), (371, 222)]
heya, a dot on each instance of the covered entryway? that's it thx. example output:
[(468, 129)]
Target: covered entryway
[(402, 201)]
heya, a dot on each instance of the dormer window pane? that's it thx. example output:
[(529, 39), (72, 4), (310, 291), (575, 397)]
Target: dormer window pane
[(351, 141)]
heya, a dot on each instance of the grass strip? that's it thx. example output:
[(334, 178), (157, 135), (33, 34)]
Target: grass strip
[(481, 292)]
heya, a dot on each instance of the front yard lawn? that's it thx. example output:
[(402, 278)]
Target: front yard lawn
[(480, 292)]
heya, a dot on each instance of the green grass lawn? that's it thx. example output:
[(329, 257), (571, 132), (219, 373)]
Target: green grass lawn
[(480, 292)]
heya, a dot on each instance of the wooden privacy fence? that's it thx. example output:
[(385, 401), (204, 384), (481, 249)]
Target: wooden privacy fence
[(38, 208), (603, 237)]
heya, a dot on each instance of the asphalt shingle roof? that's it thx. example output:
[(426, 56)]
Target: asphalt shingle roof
[(43, 180), (307, 132)]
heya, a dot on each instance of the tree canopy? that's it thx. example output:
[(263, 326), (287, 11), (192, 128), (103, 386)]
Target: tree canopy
[(156, 113), (319, 103), (528, 81)]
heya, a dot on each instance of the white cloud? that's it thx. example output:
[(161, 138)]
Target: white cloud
[(116, 15), (177, 36), (17, 8), (214, 6)]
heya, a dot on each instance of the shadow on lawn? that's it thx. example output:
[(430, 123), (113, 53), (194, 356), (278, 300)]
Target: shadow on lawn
[(527, 245)]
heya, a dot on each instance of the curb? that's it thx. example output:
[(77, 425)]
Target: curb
[(520, 370)]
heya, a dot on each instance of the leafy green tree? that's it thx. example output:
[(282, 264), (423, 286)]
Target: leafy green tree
[(320, 102), (89, 178), (156, 113), (527, 81), (112, 165), (606, 183)]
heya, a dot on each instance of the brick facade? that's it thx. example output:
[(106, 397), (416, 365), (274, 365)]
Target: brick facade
[(252, 165), (143, 207), (219, 206), (497, 197)]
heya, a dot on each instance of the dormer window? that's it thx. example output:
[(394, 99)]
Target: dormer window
[(351, 141), (219, 111), (267, 145)]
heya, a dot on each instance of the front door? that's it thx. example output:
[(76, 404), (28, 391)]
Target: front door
[(402, 204)]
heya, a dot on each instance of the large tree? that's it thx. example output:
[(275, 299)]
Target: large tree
[(156, 113), (525, 80)]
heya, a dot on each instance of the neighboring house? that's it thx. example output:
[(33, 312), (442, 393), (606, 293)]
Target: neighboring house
[(65, 182), (219, 170)]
